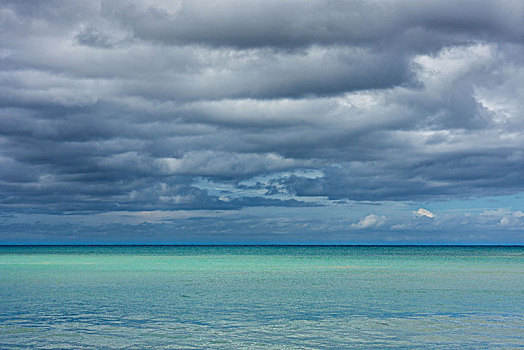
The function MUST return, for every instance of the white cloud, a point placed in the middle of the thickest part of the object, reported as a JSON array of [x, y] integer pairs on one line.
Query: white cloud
[[425, 213], [506, 217], [371, 220]]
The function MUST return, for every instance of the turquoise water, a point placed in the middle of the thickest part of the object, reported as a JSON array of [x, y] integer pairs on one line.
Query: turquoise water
[[261, 297]]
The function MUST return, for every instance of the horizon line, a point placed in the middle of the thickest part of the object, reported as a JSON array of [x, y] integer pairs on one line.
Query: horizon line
[[258, 245]]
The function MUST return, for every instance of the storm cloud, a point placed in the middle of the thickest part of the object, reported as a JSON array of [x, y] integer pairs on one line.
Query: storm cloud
[[110, 106]]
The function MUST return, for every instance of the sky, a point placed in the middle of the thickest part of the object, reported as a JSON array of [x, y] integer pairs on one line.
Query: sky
[[262, 122]]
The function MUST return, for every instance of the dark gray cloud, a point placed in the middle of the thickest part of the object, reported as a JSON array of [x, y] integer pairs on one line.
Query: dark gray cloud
[[90, 36], [291, 24], [110, 106], [454, 176]]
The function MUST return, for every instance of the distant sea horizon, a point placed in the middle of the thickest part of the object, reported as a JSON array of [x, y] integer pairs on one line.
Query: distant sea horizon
[[261, 245]]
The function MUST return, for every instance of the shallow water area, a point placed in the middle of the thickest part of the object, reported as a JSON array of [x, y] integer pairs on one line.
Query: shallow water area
[[272, 297]]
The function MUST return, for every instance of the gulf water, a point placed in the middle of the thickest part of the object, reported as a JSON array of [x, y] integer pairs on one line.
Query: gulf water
[[261, 297]]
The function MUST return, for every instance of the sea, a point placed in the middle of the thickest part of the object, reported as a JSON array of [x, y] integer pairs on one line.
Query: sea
[[261, 297]]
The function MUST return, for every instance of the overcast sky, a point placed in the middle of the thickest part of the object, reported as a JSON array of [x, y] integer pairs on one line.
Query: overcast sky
[[262, 121]]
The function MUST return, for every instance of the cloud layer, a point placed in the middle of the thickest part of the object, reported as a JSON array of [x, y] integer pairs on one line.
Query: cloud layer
[[198, 105]]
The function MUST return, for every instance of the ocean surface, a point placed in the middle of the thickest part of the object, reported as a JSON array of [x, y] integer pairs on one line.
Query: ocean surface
[[261, 297]]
